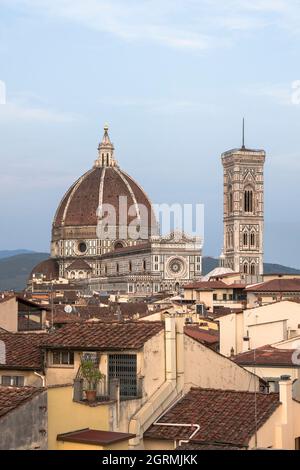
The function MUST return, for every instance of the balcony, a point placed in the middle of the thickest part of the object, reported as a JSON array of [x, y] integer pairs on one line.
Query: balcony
[[108, 390]]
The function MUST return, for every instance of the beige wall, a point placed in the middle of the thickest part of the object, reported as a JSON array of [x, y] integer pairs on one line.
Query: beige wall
[[267, 324], [29, 377], [61, 445], [65, 415], [205, 368], [9, 315]]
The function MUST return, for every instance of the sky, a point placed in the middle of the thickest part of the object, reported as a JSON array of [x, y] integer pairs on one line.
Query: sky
[[173, 79]]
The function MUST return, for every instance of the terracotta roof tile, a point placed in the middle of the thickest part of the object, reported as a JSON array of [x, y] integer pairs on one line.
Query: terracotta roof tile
[[276, 285], [12, 397], [266, 355], [104, 335], [224, 416], [208, 337], [207, 285], [22, 350]]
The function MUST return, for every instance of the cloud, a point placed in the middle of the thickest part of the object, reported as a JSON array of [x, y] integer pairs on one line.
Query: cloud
[[281, 94], [27, 107]]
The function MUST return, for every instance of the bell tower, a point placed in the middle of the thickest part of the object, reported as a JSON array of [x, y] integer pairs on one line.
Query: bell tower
[[243, 171]]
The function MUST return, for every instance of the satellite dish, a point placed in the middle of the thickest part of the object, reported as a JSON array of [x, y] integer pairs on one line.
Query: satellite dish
[[68, 309]]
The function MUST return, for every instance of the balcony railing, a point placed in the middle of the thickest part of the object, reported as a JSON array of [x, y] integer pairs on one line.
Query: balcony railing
[[108, 390]]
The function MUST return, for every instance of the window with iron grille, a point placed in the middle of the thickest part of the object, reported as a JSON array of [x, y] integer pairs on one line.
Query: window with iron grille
[[124, 368]]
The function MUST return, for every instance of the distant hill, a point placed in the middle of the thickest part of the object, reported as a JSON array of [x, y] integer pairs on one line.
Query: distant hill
[[8, 253], [14, 270], [208, 264]]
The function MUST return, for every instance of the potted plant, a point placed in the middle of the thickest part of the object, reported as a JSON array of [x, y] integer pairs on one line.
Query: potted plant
[[92, 375]]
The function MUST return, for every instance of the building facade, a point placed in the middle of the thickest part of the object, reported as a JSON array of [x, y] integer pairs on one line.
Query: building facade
[[243, 210]]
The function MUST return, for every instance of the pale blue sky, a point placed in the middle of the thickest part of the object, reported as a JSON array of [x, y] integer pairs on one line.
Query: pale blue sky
[[173, 79]]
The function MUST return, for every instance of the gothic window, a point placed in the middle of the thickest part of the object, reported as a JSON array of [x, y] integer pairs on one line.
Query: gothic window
[[248, 200], [107, 159], [117, 267], [252, 239], [245, 239], [144, 265], [252, 268], [230, 200], [130, 266], [245, 268]]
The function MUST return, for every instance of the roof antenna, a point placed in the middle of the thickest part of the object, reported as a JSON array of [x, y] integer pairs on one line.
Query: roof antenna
[[243, 146]]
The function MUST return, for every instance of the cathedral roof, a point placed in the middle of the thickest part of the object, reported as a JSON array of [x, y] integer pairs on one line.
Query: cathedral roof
[[49, 269], [79, 264], [103, 184]]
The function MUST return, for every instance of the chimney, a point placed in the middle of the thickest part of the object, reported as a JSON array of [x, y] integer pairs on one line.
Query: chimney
[[287, 416]]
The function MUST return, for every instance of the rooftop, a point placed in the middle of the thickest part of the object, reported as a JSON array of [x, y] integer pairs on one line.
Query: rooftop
[[12, 397], [267, 356], [224, 416], [94, 437], [103, 335], [22, 350], [276, 285], [207, 337]]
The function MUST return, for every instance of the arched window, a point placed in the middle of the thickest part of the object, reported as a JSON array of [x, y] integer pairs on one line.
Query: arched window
[[245, 239], [248, 200], [130, 266], [117, 268], [144, 265], [118, 245], [107, 159], [245, 268], [230, 199], [252, 239], [252, 268]]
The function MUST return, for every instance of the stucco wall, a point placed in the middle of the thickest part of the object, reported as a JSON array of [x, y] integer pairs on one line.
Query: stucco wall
[[65, 415], [204, 367], [29, 377], [25, 427], [9, 315]]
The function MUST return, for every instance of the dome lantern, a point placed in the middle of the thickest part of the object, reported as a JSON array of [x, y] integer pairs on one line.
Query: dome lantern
[[105, 151]]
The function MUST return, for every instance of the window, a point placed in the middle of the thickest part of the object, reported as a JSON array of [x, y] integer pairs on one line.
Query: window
[[117, 267], [124, 368], [144, 265], [245, 239], [215, 297], [130, 266], [245, 268], [252, 239], [248, 200], [252, 269], [230, 199], [12, 380], [62, 358], [224, 296]]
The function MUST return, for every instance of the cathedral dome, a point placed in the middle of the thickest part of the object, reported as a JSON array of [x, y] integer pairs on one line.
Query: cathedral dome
[[99, 186], [86, 201]]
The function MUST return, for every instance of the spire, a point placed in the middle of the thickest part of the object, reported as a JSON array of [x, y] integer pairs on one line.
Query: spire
[[105, 151], [243, 135]]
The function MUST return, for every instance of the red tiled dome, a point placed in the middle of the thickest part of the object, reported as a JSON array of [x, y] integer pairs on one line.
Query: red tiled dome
[[100, 185]]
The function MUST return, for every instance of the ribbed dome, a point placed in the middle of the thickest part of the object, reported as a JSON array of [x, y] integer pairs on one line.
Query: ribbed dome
[[102, 185]]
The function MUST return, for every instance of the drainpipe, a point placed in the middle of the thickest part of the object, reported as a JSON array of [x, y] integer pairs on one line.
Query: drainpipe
[[42, 377]]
